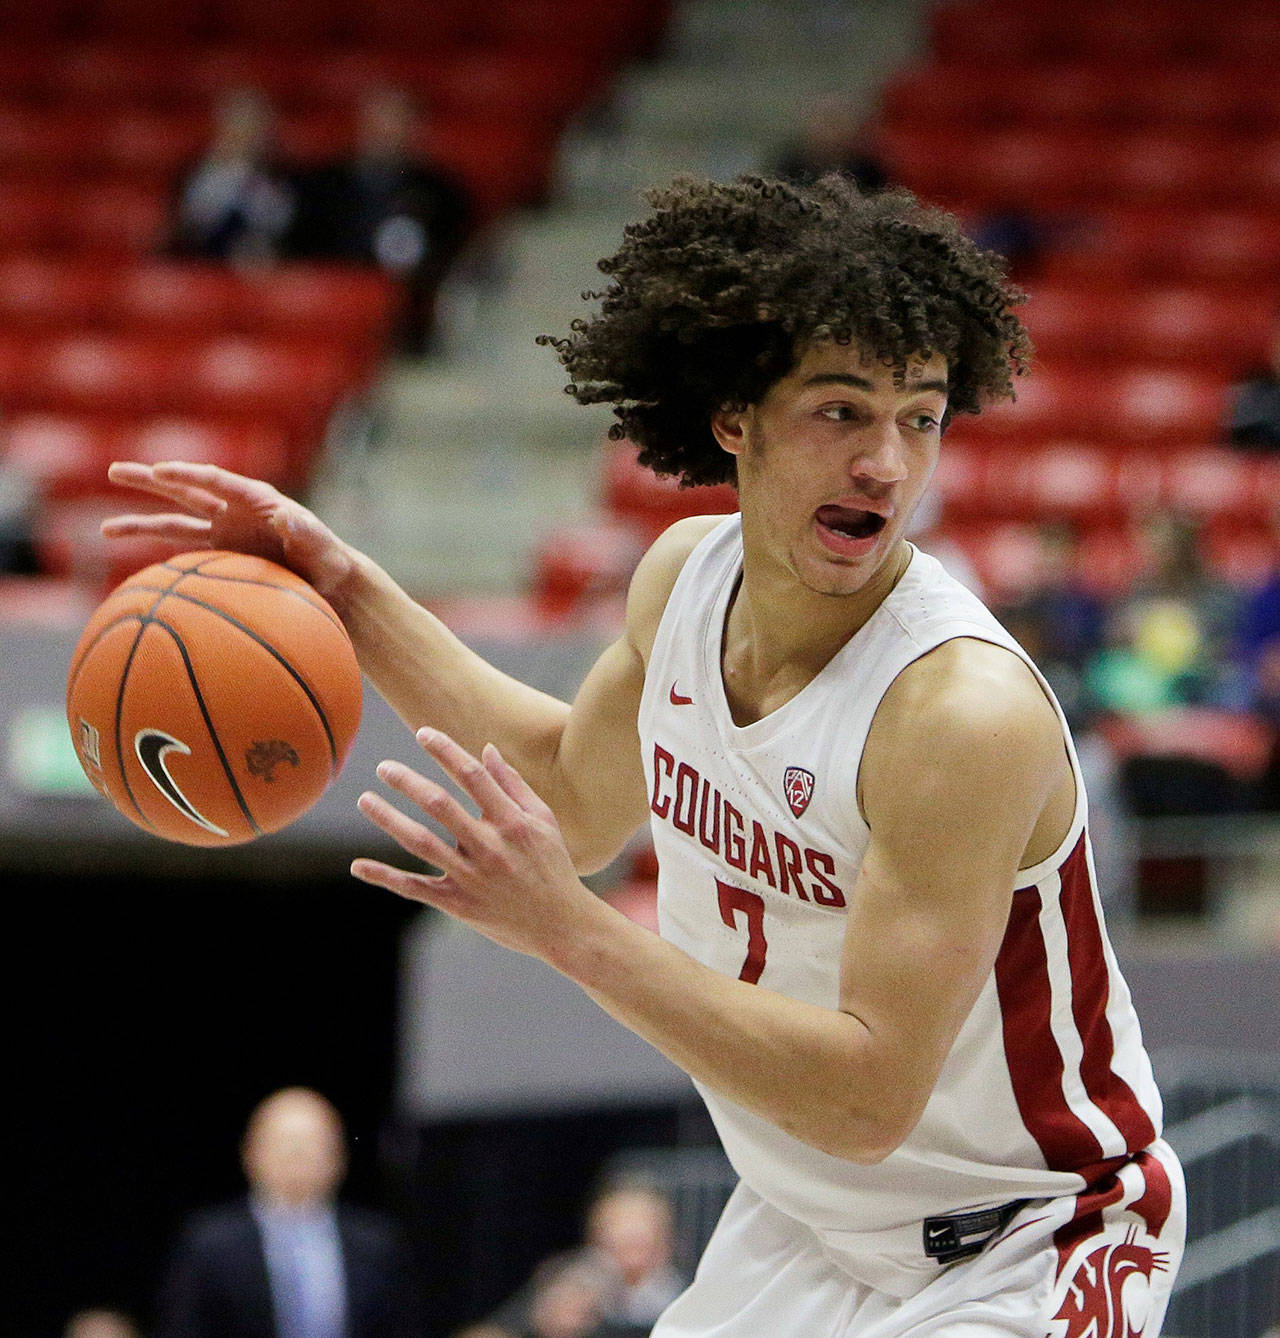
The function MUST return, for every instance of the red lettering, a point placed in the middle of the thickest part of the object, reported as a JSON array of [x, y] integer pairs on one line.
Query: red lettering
[[686, 798], [821, 865], [735, 844], [760, 861], [790, 865], [751, 904], [710, 799], [662, 761]]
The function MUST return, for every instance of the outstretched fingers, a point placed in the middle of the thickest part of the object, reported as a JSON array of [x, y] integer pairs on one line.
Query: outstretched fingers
[[189, 531], [471, 775], [513, 783], [435, 801], [149, 478]]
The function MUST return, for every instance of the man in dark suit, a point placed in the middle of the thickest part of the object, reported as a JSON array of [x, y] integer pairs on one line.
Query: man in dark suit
[[289, 1261], [386, 205]]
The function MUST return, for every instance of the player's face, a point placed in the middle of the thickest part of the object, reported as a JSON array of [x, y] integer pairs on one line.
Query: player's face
[[833, 460]]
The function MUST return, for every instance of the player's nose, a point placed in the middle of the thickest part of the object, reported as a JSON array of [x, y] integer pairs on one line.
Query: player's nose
[[881, 455]]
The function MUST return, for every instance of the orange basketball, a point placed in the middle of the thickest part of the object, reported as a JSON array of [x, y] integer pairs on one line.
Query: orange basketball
[[212, 698]]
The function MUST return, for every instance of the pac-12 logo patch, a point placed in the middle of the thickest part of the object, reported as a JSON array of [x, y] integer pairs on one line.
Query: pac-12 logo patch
[[798, 785]]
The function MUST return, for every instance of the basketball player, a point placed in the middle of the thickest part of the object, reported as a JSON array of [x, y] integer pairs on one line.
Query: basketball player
[[882, 957]]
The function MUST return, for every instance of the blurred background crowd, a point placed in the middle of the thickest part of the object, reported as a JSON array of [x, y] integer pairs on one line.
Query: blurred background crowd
[[314, 241]]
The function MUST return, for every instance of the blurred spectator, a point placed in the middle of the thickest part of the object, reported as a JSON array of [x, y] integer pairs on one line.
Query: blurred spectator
[[289, 1260], [18, 502], [567, 1301], [1253, 416], [1169, 641], [236, 203], [100, 1324], [1057, 619], [387, 206], [1015, 233], [834, 137], [626, 1258], [1260, 653]]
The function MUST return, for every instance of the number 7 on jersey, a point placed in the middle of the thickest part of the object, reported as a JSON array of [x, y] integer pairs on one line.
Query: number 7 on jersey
[[751, 905]]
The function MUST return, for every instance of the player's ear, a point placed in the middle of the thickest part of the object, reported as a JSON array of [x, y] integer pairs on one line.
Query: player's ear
[[729, 427]]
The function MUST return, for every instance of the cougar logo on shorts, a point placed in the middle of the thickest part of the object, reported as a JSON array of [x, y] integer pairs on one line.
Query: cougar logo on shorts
[[1108, 1296], [152, 746], [798, 784]]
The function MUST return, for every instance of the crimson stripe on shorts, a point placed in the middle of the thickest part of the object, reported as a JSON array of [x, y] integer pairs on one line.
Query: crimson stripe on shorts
[[1157, 1199], [1105, 1190], [1031, 1051], [1090, 991]]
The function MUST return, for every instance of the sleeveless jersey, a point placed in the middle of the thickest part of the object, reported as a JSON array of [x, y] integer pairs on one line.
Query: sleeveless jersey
[[760, 841]]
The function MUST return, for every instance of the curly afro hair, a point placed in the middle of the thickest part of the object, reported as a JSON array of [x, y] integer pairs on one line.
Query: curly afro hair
[[714, 296]]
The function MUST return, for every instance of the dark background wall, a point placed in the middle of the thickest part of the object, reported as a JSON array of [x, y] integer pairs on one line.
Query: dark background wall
[[147, 1013]]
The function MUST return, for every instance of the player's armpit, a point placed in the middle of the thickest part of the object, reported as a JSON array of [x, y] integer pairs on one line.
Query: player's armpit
[[964, 769]]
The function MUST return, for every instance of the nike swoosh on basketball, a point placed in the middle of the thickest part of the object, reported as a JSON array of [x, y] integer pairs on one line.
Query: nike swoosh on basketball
[[678, 700], [152, 746]]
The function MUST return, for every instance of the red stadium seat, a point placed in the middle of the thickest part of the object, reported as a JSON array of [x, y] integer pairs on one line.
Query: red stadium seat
[[1133, 404], [502, 163], [19, 19], [45, 601], [1217, 326], [305, 23], [248, 447], [149, 20], [159, 145], [1241, 555], [1240, 743], [70, 544], [43, 293], [101, 374], [316, 302], [414, 24], [61, 456], [115, 217], [637, 494], [164, 296], [1155, 245], [576, 566]]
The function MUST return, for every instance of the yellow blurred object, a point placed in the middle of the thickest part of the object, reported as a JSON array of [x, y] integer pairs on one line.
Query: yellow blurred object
[[1167, 636]]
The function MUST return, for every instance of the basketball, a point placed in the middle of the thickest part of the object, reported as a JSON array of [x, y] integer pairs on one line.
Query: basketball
[[213, 697]]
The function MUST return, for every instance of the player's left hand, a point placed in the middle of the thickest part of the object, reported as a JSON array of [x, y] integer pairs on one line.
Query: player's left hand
[[509, 875]]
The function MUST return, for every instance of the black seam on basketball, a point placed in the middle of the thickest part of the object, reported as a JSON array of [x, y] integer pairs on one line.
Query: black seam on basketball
[[77, 665], [124, 678], [283, 589], [208, 720], [271, 650]]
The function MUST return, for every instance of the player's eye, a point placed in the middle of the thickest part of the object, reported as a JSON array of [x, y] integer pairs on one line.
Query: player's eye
[[837, 413]]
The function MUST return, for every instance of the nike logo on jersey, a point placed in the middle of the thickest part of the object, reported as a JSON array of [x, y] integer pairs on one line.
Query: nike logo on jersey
[[678, 699], [152, 747]]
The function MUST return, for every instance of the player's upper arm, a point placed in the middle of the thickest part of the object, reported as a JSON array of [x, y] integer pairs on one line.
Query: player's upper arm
[[962, 757], [599, 770]]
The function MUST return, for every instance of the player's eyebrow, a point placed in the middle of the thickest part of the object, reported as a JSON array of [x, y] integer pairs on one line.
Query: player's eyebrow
[[861, 382]]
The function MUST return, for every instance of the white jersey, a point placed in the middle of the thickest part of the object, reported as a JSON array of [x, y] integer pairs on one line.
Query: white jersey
[[760, 841]]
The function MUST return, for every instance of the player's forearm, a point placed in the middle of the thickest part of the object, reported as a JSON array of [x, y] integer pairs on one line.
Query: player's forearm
[[812, 1071], [430, 677]]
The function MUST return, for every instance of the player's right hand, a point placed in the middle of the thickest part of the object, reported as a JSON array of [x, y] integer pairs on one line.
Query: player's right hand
[[219, 509]]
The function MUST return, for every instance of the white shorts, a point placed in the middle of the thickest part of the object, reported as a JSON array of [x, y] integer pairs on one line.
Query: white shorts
[[1099, 1264]]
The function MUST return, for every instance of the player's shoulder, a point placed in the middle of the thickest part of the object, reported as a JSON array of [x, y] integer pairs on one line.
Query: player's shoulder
[[656, 575], [967, 693]]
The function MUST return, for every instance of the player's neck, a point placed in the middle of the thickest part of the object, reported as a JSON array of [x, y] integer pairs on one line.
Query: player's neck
[[778, 635]]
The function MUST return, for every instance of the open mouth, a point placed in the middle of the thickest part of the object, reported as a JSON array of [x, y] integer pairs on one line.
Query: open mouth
[[853, 524]]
